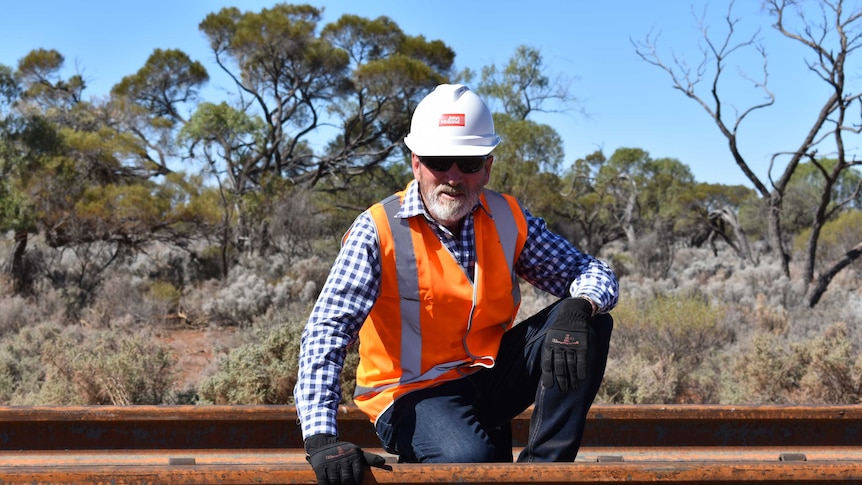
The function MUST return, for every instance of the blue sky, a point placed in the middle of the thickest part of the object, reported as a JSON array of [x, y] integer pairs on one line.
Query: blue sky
[[629, 102]]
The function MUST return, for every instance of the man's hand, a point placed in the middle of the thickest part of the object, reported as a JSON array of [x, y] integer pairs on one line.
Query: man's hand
[[564, 357], [339, 462]]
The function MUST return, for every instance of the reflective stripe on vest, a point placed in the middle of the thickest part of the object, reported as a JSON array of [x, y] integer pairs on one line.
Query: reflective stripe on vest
[[507, 230], [408, 288]]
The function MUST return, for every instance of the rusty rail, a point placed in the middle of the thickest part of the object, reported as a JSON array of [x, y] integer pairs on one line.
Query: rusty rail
[[262, 444]]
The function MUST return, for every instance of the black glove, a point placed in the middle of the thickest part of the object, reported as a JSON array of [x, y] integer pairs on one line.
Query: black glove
[[564, 357], [339, 462]]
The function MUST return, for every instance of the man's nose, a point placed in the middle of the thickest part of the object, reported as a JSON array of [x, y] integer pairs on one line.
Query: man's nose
[[454, 174]]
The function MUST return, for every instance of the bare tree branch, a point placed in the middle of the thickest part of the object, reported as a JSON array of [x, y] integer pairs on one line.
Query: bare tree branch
[[832, 36]]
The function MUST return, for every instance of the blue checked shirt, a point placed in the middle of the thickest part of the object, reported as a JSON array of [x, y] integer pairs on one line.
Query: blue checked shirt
[[547, 261]]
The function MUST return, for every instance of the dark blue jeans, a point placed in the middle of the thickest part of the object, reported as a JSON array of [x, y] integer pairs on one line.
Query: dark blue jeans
[[469, 419]]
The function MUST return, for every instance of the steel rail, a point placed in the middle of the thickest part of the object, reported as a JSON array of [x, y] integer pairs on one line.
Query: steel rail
[[689, 444]]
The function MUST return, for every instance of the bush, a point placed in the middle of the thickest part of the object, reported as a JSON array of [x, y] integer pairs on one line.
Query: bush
[[636, 380], [17, 312], [107, 367], [257, 373], [660, 349], [834, 371], [164, 296], [768, 372], [245, 296], [22, 372], [120, 297], [47, 364], [684, 328]]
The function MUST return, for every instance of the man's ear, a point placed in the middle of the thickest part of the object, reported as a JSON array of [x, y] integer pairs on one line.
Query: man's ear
[[414, 164], [488, 169]]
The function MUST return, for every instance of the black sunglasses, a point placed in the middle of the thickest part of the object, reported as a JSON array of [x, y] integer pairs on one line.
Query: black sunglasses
[[465, 164]]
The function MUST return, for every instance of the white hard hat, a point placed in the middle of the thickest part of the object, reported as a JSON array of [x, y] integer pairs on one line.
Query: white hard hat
[[452, 121]]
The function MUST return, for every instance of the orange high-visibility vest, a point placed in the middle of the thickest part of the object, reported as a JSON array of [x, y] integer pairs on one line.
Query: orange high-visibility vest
[[430, 323]]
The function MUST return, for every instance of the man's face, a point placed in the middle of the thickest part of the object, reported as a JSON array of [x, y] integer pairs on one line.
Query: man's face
[[450, 194]]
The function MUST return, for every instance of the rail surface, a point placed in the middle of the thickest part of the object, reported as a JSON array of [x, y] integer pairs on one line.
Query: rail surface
[[262, 444]]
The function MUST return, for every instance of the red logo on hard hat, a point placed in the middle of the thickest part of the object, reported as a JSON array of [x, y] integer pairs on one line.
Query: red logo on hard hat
[[452, 119]]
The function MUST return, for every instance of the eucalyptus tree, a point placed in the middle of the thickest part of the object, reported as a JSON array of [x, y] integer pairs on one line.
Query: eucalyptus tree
[[16, 211], [518, 91], [348, 87], [312, 103], [805, 190], [75, 174], [152, 104], [830, 34], [647, 199], [37, 179], [587, 206], [526, 163]]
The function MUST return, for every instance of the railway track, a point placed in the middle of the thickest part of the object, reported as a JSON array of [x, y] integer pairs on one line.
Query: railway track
[[262, 444]]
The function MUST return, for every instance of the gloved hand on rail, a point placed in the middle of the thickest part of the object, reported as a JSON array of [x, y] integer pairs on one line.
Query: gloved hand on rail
[[564, 357], [339, 462]]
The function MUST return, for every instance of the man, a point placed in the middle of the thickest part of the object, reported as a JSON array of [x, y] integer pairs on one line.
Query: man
[[427, 282]]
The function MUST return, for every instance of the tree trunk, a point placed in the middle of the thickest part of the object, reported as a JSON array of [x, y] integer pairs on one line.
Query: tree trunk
[[819, 286], [22, 281], [629, 214], [742, 248], [775, 232]]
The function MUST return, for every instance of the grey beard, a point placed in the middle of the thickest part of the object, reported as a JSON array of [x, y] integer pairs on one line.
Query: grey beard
[[450, 212]]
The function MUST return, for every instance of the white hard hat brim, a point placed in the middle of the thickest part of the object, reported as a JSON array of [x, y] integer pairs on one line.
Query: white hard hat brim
[[465, 147]]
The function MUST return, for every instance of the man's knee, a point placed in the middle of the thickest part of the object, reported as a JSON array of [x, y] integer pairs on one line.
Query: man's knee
[[461, 444], [477, 452]]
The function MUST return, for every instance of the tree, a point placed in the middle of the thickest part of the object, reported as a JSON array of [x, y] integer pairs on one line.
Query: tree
[[39, 72], [225, 139], [528, 161], [524, 87], [831, 41], [74, 174], [348, 87], [358, 77], [149, 104], [804, 191], [587, 207], [530, 151], [19, 142], [713, 215], [649, 204], [646, 198]]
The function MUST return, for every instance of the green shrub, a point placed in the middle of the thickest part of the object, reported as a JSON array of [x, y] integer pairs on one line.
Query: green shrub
[[165, 295], [769, 371], [265, 372], [635, 380], [826, 369], [834, 371], [684, 327], [257, 373], [661, 348], [46, 364], [22, 373], [106, 367]]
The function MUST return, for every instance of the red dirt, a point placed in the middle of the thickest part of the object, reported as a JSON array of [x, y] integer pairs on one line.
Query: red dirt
[[197, 351]]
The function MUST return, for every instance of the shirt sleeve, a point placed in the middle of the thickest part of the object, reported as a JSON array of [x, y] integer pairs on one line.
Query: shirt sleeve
[[344, 303], [553, 264]]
